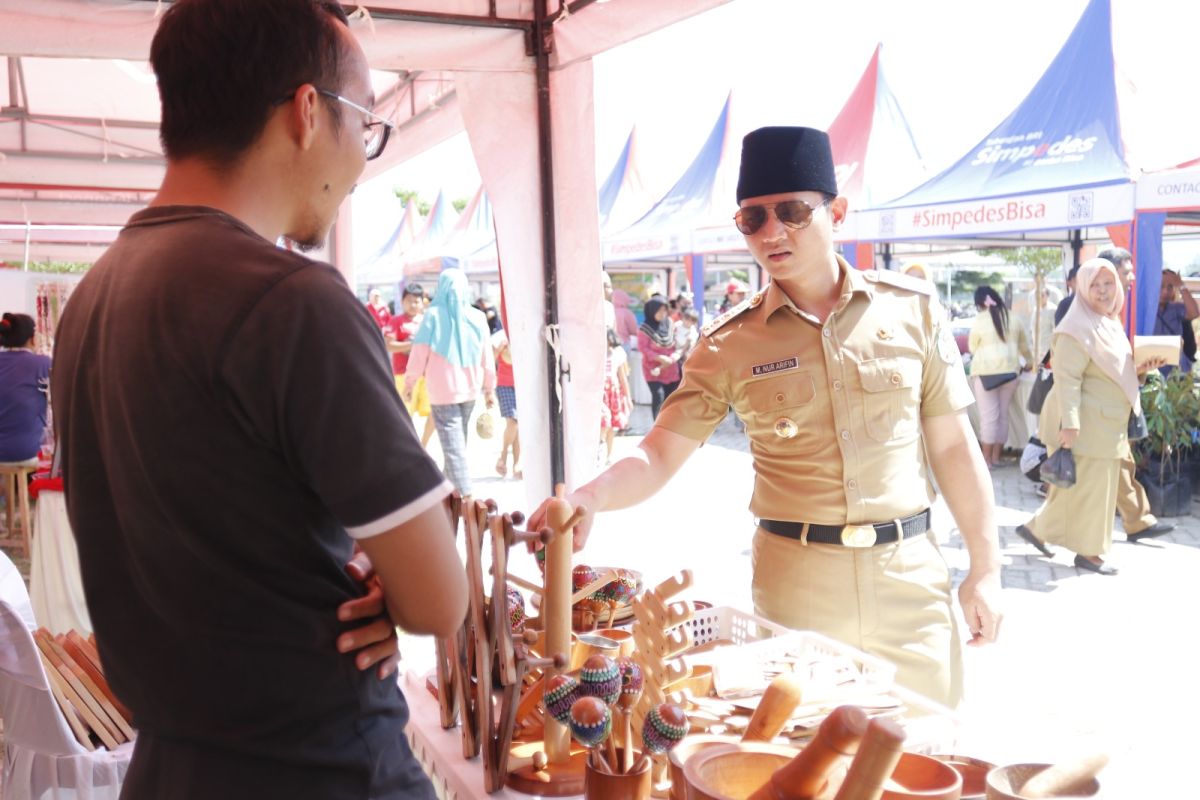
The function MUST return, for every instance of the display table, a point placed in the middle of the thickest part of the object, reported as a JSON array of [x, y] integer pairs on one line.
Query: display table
[[440, 750], [929, 727]]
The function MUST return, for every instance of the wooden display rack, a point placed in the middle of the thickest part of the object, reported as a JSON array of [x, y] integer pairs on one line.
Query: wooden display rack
[[484, 653]]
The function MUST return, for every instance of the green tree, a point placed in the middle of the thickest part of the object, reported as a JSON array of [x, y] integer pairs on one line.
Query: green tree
[[965, 281], [406, 195], [411, 194], [1040, 263]]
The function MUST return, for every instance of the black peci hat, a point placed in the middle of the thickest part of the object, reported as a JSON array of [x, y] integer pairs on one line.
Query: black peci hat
[[781, 159]]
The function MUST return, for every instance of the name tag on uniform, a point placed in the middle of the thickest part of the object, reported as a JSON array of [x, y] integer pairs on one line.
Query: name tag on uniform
[[783, 365]]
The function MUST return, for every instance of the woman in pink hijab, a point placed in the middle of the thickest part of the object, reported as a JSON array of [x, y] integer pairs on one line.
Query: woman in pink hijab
[[626, 324], [1096, 389]]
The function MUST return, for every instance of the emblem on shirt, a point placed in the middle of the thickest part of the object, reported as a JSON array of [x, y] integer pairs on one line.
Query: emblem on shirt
[[783, 365], [884, 333], [947, 347], [785, 428]]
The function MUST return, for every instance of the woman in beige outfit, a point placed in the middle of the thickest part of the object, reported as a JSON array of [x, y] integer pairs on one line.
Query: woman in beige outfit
[[1095, 390]]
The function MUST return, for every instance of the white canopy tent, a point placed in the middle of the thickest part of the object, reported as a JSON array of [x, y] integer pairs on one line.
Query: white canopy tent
[[515, 73]]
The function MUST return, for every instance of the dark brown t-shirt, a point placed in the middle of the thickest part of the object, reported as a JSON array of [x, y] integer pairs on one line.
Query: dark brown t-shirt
[[226, 410]]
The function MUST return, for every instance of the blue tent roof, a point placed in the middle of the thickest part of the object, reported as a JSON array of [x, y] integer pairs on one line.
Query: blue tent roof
[[690, 199], [616, 179], [1064, 135]]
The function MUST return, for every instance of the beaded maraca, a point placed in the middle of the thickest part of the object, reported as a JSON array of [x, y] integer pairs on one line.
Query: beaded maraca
[[561, 692], [591, 723], [665, 726], [600, 677], [516, 609], [631, 691]]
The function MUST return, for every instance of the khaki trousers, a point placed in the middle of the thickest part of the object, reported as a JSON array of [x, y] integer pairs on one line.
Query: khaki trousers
[[892, 601], [1132, 502], [1080, 518]]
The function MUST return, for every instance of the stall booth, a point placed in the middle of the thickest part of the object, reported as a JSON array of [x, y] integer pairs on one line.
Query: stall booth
[[1053, 173], [517, 76], [1168, 206]]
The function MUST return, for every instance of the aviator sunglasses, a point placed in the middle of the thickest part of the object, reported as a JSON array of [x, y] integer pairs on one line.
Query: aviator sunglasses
[[795, 214]]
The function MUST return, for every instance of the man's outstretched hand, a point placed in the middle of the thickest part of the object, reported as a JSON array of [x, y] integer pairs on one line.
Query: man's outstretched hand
[[375, 641]]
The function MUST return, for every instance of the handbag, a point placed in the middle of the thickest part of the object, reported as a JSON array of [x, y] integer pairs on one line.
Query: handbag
[[484, 425], [996, 381], [1059, 468], [1042, 383], [1137, 426]]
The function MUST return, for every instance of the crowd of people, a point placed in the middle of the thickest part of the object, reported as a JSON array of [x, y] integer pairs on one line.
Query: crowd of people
[[1093, 410]]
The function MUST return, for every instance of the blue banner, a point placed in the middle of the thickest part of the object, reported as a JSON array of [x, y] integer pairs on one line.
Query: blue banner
[[1148, 261], [1065, 134]]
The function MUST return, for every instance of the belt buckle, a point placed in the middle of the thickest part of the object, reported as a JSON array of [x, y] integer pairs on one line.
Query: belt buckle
[[858, 536]]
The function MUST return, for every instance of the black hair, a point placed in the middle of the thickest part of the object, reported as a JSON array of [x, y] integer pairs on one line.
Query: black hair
[[223, 65], [611, 338], [998, 310], [1116, 255], [1073, 273], [16, 330], [413, 289]]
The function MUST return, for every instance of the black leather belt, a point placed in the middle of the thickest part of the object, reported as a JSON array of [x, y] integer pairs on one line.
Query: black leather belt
[[850, 535]]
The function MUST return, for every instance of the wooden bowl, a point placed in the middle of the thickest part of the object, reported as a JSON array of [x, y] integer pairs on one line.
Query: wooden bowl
[[688, 747], [924, 778], [974, 774], [733, 772], [1004, 783]]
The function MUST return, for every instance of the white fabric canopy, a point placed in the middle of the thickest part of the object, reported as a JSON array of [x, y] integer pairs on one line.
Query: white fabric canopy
[[448, 64]]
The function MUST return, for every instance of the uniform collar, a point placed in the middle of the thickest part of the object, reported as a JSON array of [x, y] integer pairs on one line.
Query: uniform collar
[[853, 283]]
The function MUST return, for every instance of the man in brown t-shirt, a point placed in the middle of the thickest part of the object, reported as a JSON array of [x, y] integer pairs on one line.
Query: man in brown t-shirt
[[230, 428]]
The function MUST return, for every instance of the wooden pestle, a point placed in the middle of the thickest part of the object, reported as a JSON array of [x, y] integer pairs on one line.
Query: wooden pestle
[[805, 775], [1059, 778], [775, 708], [874, 763]]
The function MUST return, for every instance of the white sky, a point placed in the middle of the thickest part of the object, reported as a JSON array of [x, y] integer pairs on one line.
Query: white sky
[[957, 67]]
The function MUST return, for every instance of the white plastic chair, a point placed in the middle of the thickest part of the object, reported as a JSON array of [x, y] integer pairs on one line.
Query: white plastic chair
[[42, 759]]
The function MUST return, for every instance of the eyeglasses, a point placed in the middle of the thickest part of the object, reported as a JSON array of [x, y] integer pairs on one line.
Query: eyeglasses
[[375, 132], [794, 214]]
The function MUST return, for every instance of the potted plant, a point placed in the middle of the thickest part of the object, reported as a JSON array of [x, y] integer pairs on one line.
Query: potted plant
[[1172, 410]]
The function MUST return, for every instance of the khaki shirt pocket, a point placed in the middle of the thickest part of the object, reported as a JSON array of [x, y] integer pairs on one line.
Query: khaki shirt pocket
[[890, 397], [772, 399]]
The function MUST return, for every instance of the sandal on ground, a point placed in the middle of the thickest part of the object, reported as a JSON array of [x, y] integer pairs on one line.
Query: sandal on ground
[[1091, 566], [1028, 536]]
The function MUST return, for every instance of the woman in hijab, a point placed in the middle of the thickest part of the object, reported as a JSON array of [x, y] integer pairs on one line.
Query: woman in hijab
[[453, 352], [660, 359], [1096, 389]]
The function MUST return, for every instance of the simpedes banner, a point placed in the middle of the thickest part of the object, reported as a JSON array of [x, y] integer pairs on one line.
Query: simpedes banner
[[1074, 208], [1051, 163]]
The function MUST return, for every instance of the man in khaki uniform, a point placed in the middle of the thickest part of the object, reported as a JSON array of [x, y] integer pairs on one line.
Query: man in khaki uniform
[[845, 380]]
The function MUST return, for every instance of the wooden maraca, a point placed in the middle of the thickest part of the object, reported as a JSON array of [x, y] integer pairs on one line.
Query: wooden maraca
[[665, 726], [591, 723], [632, 681], [516, 609], [561, 692], [601, 678]]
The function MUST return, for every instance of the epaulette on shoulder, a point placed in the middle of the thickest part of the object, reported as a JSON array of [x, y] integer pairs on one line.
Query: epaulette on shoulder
[[899, 280], [750, 302]]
